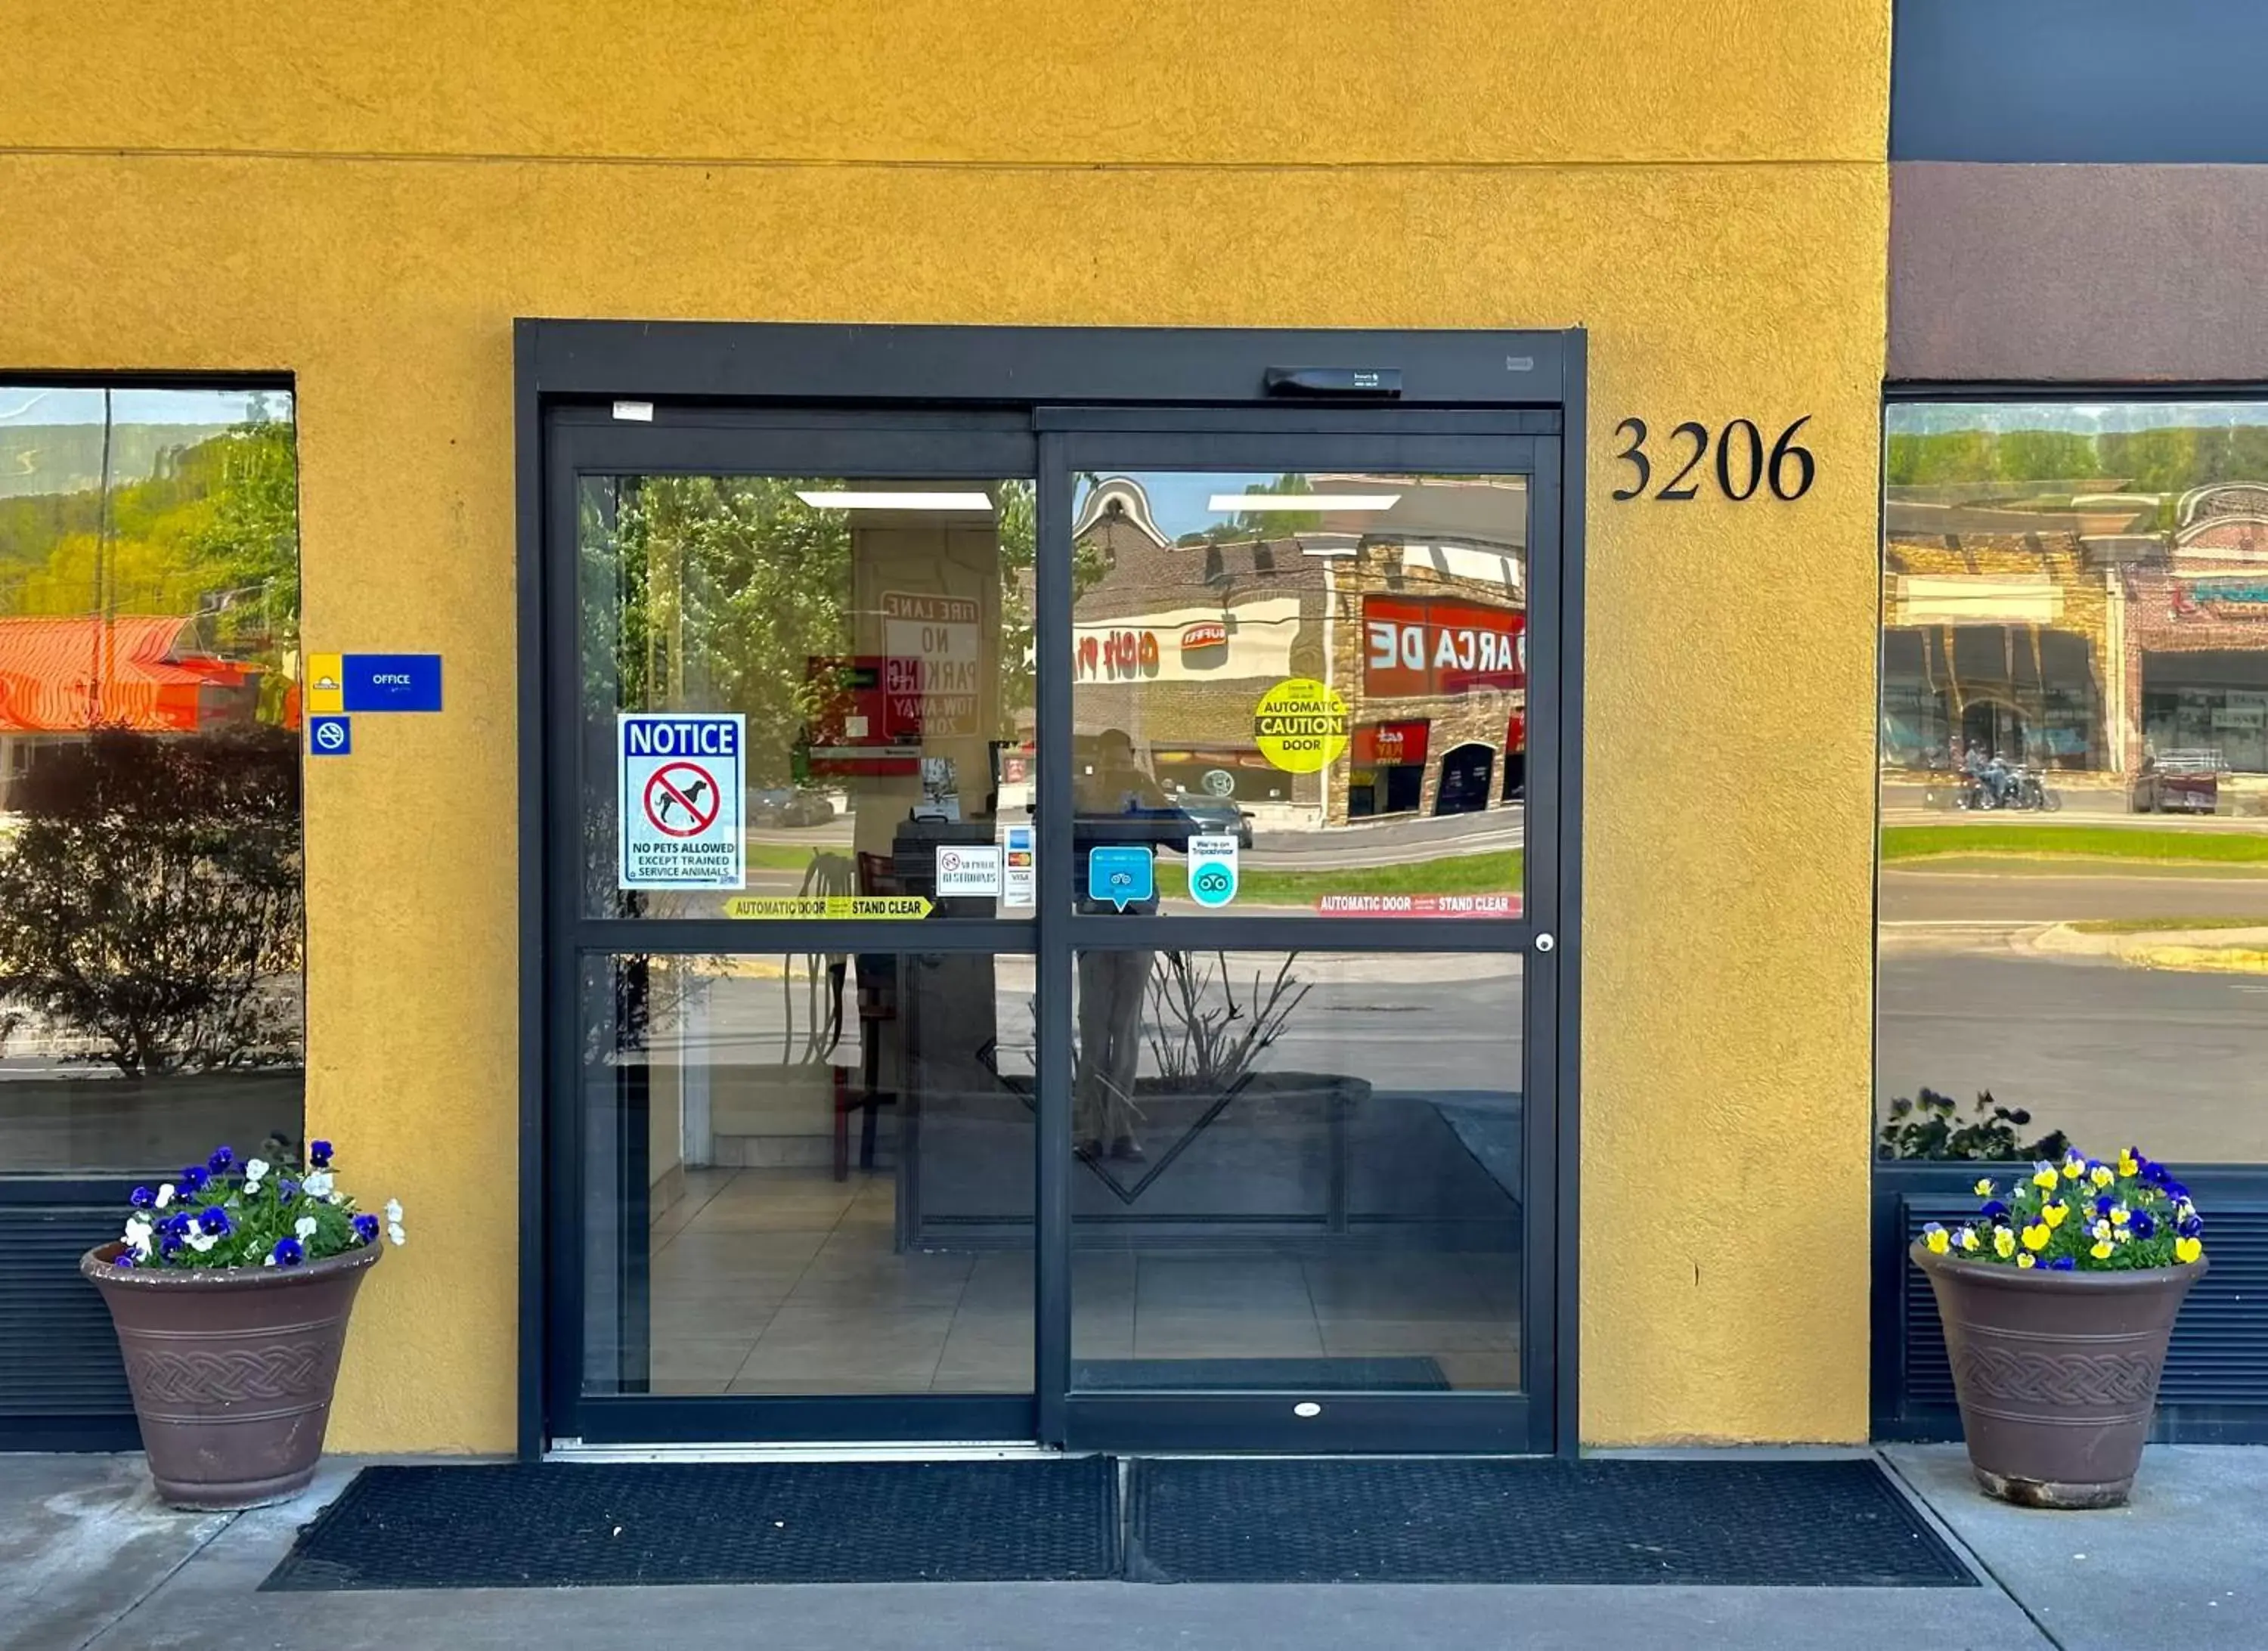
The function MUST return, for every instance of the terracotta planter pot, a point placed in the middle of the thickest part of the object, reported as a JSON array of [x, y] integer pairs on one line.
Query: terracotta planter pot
[[232, 1369], [2056, 1373]]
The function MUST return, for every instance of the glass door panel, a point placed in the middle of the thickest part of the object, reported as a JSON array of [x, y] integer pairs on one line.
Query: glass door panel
[[1297, 1171], [1324, 675]]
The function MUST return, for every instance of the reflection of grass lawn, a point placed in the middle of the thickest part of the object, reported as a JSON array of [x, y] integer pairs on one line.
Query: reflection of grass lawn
[[1495, 872], [2151, 925], [2081, 842], [790, 856]]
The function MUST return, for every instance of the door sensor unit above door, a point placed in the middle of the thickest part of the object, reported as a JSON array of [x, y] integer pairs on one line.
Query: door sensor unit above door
[[1381, 384]]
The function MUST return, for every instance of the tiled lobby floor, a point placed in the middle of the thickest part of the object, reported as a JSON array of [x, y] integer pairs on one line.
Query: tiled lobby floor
[[784, 1281]]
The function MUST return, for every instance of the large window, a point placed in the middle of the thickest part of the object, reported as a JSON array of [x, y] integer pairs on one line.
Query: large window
[[2075, 779], [151, 910]]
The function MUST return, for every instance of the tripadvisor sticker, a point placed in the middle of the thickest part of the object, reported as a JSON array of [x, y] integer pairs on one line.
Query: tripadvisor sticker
[[1300, 725]]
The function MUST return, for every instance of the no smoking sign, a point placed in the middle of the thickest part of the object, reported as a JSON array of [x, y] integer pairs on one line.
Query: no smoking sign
[[681, 792]]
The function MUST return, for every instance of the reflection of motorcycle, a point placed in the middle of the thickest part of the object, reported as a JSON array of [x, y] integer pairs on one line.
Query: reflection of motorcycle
[[2028, 790], [1974, 793]]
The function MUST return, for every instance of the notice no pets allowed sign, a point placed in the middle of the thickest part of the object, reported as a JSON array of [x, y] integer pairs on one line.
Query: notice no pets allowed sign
[[679, 803]]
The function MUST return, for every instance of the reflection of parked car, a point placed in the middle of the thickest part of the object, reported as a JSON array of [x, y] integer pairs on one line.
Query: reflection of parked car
[[781, 807], [2179, 782], [1217, 815]]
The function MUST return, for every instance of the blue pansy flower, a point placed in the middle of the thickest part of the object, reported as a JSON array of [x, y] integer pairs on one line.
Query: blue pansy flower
[[214, 1221], [124, 1258], [195, 1178], [2144, 1225], [2191, 1226], [169, 1245], [179, 1222], [319, 1153], [142, 1197], [2176, 1191], [2105, 1204], [288, 1252], [366, 1229], [221, 1159], [1993, 1209], [2061, 1264], [2155, 1174], [286, 1190]]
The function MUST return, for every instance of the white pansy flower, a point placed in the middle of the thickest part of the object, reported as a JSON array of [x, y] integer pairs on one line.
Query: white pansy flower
[[164, 1195], [304, 1226], [393, 1211], [138, 1236], [318, 1184], [254, 1172], [201, 1241], [394, 1232], [268, 1260]]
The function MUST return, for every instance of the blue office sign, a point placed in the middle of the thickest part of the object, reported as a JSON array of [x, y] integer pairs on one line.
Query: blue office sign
[[391, 682]]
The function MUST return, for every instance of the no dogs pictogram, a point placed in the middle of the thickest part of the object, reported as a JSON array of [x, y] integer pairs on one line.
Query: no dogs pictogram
[[682, 798]]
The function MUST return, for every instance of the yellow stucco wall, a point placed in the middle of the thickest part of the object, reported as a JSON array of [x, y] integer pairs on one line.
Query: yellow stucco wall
[[367, 196]]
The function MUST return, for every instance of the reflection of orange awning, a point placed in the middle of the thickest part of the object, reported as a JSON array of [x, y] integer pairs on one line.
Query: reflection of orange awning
[[67, 675]]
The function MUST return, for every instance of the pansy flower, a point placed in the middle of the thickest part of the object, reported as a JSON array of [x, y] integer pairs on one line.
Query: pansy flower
[[2062, 1264], [2187, 1249], [221, 1159], [214, 1220], [195, 1178], [2144, 1225], [318, 1155], [142, 1197], [289, 1252], [1993, 1209]]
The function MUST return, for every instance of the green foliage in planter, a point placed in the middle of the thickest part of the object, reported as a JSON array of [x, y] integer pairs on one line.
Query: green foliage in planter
[[1930, 1127]]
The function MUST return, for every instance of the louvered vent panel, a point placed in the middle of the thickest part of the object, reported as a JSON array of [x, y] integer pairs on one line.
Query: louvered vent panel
[[58, 1354]]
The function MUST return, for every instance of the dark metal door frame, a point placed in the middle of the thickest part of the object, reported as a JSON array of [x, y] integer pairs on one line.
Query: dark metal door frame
[[958, 401]]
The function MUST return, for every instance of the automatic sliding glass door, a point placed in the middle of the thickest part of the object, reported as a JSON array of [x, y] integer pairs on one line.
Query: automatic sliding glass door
[[1291, 830], [1123, 1019], [799, 1141]]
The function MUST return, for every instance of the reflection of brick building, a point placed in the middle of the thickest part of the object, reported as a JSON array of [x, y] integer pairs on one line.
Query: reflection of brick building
[[2080, 637], [1415, 613], [1997, 631], [2196, 635]]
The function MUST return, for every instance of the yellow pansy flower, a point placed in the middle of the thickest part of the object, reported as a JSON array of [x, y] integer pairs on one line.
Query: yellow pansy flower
[[2053, 1214], [2037, 1236], [1937, 1241], [2120, 1215], [2100, 1229], [2026, 1261], [2045, 1178], [1968, 1238], [2074, 1169], [1984, 1189], [2102, 1249], [2129, 1165], [2102, 1175], [2004, 1243], [2188, 1249]]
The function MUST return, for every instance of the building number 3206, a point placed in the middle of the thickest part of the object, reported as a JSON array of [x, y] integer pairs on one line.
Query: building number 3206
[[1742, 464]]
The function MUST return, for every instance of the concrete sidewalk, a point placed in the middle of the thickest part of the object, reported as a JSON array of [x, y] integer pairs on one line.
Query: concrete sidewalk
[[87, 1559]]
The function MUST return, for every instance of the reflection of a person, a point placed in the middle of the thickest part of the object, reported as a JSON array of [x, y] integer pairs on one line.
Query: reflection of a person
[[1111, 784]]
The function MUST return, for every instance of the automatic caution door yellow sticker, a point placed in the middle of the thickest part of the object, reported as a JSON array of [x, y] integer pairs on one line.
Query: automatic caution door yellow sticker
[[760, 907], [1300, 725]]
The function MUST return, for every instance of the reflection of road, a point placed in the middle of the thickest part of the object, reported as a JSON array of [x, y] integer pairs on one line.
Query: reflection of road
[[1997, 896], [2114, 1055], [1390, 842], [1389, 1020]]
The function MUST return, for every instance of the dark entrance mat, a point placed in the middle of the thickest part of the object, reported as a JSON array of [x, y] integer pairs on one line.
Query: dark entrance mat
[[1837, 1524], [571, 1525], [1387, 1373]]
